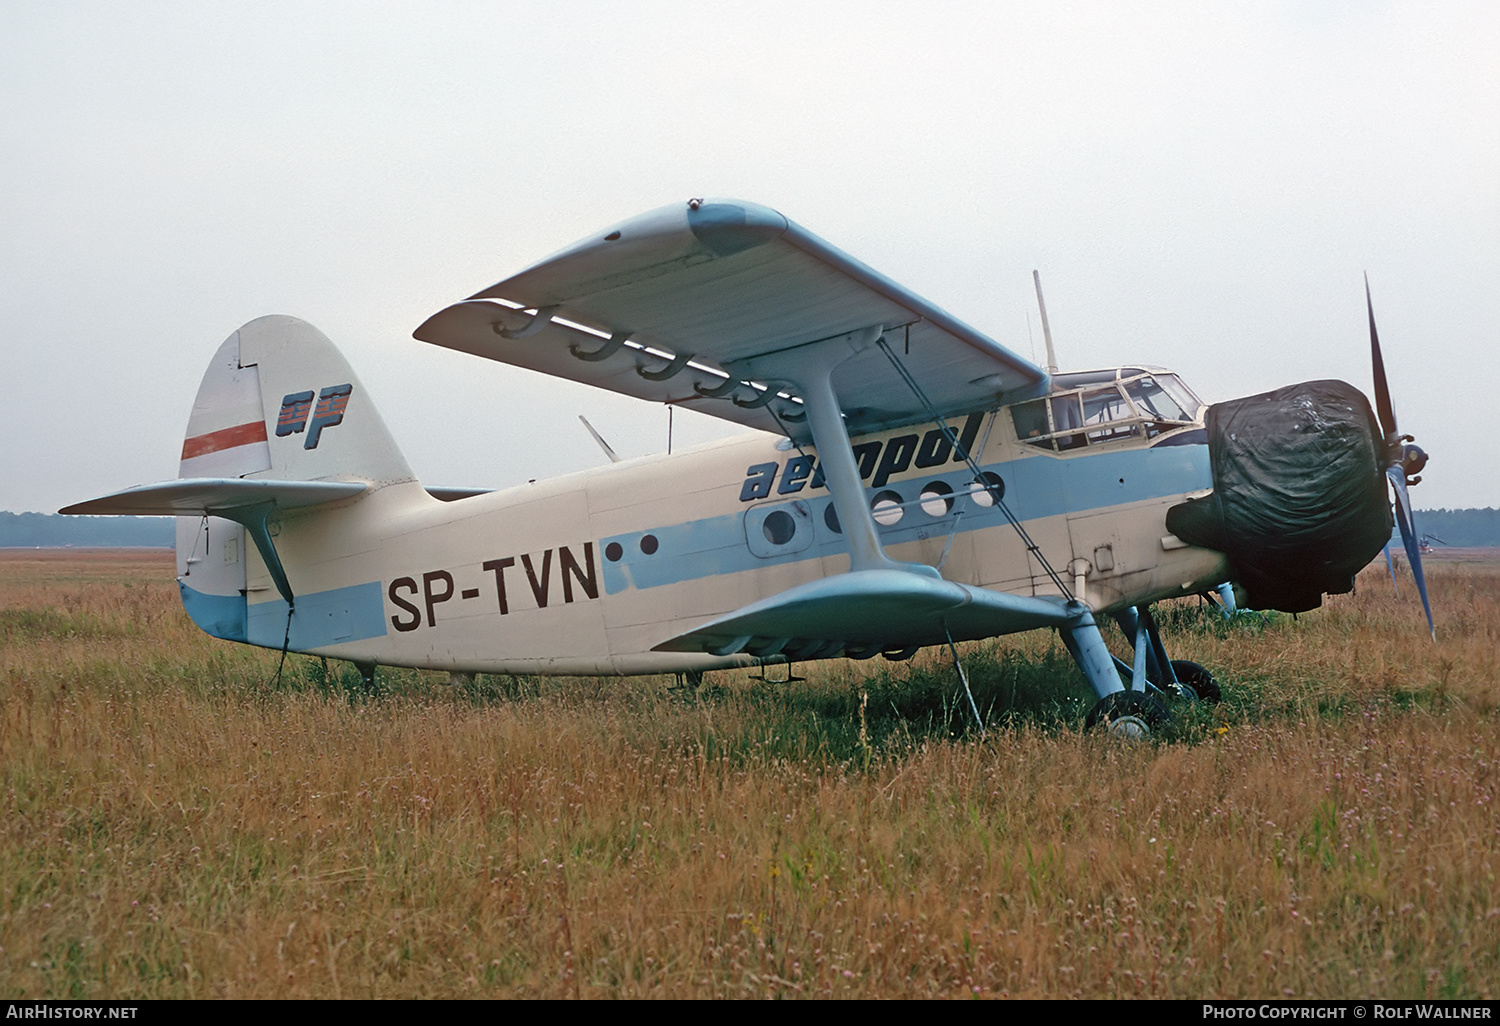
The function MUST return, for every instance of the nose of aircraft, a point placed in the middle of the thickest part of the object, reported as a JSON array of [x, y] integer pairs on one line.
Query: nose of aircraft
[[1299, 502]]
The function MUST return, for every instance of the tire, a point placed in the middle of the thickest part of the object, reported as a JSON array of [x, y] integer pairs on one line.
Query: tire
[[1199, 680], [1129, 715]]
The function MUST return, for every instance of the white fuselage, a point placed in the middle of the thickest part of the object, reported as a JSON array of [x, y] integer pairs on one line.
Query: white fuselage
[[586, 573]]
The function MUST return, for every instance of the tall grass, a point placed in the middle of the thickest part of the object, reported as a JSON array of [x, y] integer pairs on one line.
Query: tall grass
[[178, 822]]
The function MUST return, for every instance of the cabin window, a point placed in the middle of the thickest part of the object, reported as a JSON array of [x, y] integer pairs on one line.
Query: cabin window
[[778, 527], [886, 508], [936, 499], [783, 527], [989, 487]]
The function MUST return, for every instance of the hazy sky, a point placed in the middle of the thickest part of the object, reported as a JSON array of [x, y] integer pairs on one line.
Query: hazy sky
[[1201, 186]]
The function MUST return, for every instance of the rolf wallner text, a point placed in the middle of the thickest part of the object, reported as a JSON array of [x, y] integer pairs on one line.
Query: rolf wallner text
[[1358, 1010]]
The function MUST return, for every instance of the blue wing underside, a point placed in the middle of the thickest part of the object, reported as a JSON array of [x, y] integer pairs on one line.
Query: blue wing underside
[[865, 612]]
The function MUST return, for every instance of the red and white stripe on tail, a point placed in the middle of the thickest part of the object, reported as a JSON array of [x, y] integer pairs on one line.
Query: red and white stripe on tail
[[226, 434]]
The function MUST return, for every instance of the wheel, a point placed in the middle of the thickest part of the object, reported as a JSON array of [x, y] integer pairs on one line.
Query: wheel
[[1197, 680], [1131, 715]]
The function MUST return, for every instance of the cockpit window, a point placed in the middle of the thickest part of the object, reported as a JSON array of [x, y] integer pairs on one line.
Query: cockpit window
[[1111, 412], [1154, 401], [1067, 415], [1186, 400], [1096, 407], [1031, 420]]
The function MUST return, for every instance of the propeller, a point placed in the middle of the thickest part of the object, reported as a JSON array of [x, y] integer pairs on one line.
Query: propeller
[[1404, 462]]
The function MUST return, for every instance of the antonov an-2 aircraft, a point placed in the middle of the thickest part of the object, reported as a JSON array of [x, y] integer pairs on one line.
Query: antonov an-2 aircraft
[[912, 483]]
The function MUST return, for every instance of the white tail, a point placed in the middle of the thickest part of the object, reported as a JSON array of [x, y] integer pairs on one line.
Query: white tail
[[280, 424], [280, 402]]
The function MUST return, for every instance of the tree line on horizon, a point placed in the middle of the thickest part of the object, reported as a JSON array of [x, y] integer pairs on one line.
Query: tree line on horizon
[[54, 531]]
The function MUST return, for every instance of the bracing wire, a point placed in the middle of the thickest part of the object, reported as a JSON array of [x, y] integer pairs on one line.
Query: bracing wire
[[958, 664], [979, 477], [286, 641]]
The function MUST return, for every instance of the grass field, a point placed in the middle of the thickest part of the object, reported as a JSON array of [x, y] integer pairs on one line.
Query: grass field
[[178, 824]]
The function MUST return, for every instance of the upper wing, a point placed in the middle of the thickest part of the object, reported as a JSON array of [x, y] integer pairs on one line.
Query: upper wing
[[682, 301]]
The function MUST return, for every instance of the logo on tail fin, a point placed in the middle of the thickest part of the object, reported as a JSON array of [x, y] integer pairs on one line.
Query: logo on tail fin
[[328, 412]]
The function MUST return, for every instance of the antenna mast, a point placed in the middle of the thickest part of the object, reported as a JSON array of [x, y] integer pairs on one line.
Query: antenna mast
[[1046, 329], [600, 439]]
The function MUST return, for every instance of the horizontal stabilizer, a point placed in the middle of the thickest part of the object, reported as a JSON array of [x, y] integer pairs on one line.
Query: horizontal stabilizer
[[214, 496], [869, 611]]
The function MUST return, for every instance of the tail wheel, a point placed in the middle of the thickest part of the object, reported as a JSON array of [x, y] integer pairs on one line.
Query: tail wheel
[[1197, 680], [1130, 715]]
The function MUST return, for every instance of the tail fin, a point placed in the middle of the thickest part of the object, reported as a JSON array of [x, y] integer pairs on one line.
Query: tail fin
[[280, 422], [280, 402]]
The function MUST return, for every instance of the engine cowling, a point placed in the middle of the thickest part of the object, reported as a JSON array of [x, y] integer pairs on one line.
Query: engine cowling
[[1299, 502]]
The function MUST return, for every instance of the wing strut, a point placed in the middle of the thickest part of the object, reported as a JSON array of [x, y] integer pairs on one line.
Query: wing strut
[[979, 478], [811, 370], [255, 520]]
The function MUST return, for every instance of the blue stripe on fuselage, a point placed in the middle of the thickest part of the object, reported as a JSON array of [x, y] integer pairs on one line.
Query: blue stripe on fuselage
[[322, 618], [1035, 487], [221, 616]]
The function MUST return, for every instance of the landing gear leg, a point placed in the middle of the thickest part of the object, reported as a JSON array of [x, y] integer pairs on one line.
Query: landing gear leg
[[1126, 713], [1086, 645], [1177, 678], [367, 676]]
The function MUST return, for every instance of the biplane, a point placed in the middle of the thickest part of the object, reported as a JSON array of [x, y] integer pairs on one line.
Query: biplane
[[910, 482]]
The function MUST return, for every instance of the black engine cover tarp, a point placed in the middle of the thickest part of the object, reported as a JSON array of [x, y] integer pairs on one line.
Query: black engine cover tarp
[[1299, 503]]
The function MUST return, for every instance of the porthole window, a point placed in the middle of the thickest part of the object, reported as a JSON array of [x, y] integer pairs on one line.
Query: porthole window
[[831, 518], [886, 507], [648, 544], [937, 499], [613, 552], [775, 531], [990, 486], [778, 527]]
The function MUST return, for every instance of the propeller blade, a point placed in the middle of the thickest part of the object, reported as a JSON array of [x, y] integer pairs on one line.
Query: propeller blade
[[1409, 539], [1392, 568], [1382, 390]]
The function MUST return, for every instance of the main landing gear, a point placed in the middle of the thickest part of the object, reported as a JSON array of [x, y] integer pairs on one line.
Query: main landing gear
[[1135, 711]]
